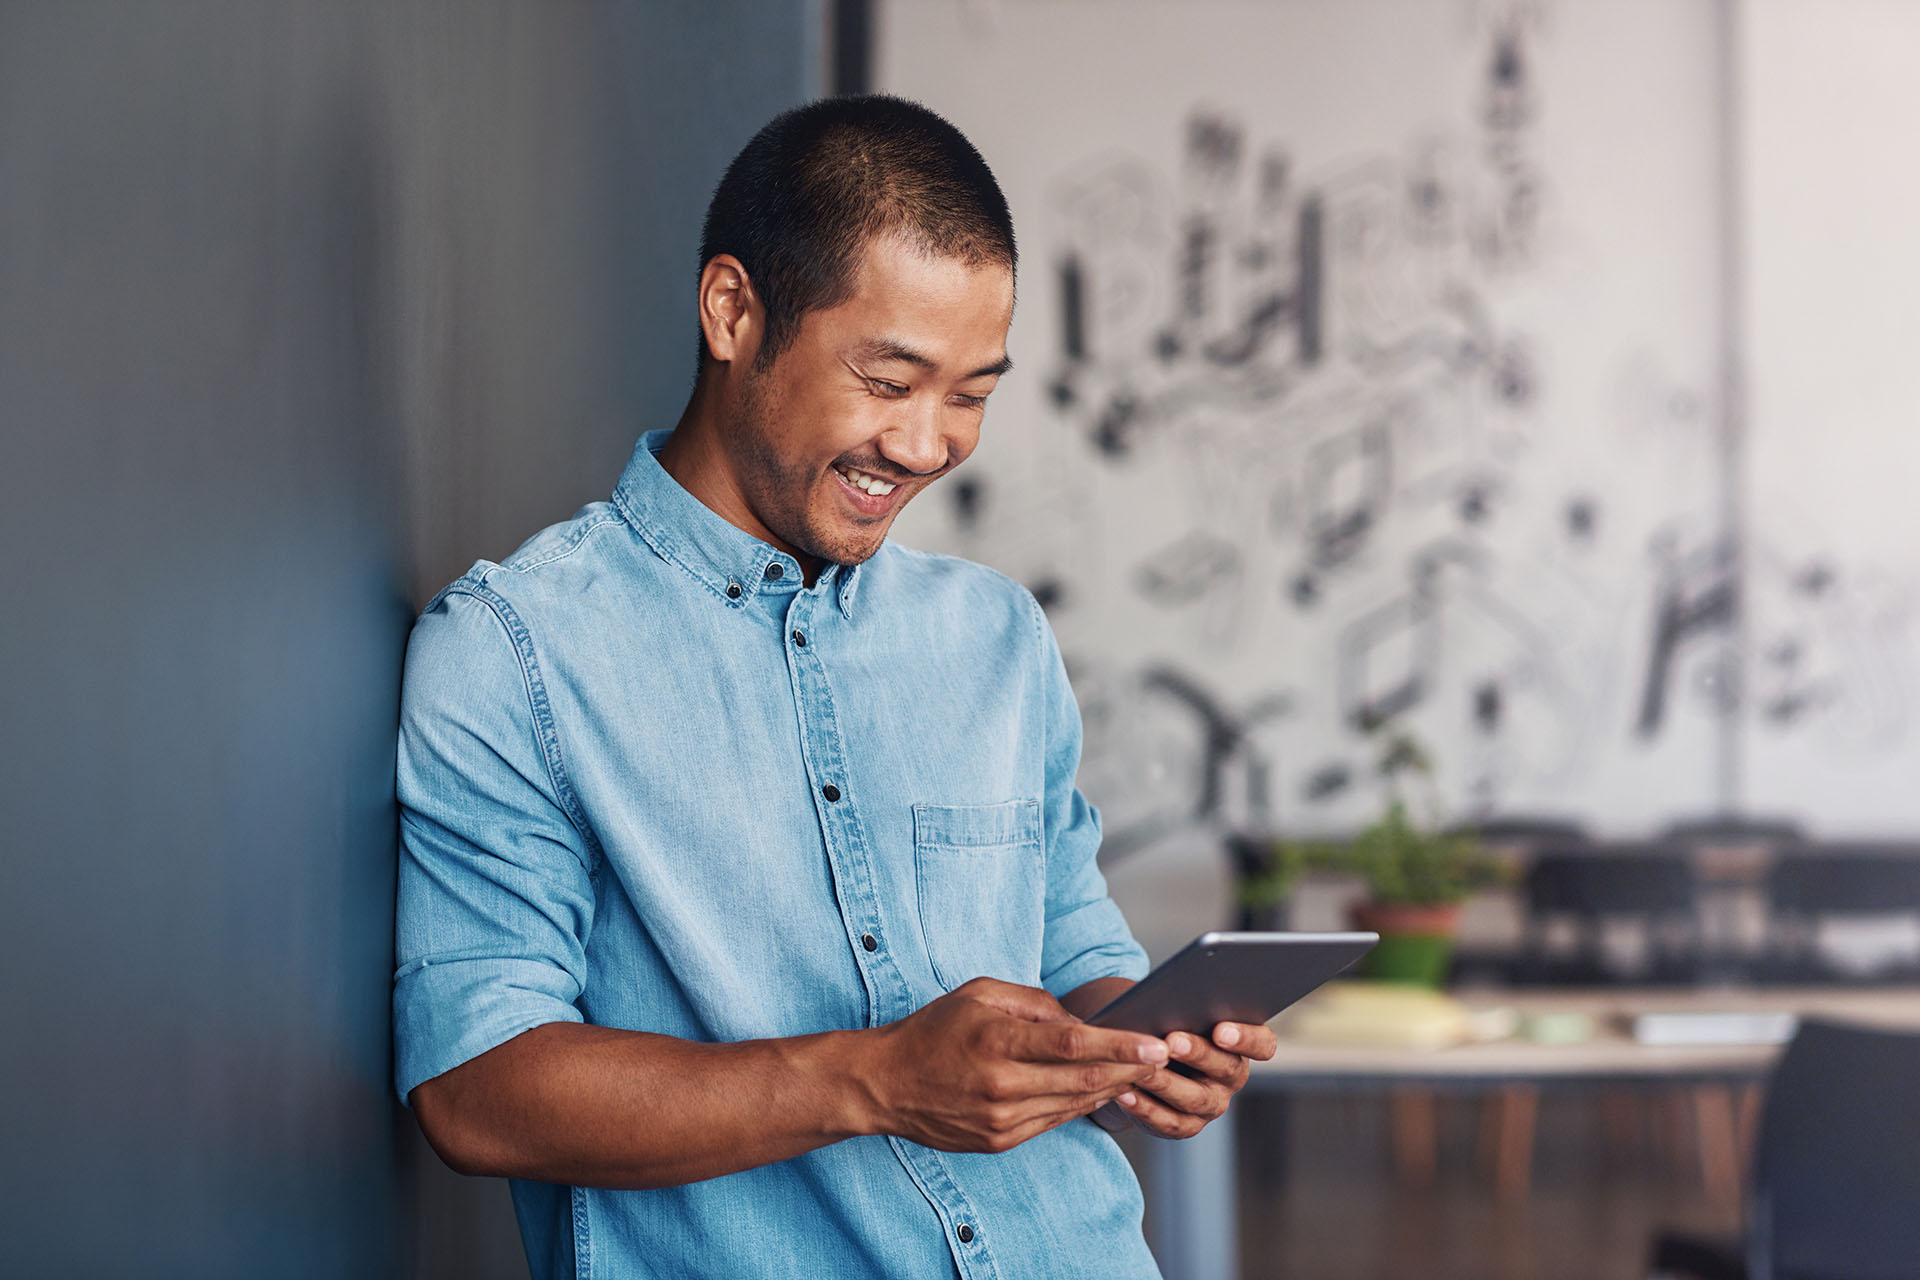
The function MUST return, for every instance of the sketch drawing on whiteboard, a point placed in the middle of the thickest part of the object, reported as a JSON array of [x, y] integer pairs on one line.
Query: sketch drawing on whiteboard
[[1833, 659], [1203, 764], [1313, 364], [1338, 435], [1696, 598]]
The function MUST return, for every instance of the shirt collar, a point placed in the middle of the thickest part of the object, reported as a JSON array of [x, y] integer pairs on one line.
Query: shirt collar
[[684, 531]]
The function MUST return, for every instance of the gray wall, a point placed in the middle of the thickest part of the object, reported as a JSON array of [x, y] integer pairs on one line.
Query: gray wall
[[303, 307]]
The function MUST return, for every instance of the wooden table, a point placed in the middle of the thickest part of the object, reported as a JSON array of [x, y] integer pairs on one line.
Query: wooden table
[[1195, 1196]]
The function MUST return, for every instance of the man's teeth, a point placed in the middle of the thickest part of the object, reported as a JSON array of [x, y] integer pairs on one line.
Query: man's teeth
[[861, 480]]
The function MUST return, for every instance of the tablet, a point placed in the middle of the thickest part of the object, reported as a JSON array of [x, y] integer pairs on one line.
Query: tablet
[[1231, 977]]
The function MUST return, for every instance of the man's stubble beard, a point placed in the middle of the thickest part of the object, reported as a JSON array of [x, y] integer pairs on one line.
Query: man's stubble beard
[[778, 493]]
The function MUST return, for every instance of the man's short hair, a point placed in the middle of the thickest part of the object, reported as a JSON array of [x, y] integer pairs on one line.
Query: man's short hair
[[803, 198]]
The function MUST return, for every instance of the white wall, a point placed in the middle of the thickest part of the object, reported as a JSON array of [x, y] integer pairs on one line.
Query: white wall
[[1501, 470], [1831, 200]]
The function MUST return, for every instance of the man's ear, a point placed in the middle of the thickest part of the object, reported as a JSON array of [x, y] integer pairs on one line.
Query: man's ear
[[731, 316]]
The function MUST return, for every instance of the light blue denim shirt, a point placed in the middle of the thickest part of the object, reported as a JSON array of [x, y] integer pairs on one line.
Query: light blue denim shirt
[[649, 779]]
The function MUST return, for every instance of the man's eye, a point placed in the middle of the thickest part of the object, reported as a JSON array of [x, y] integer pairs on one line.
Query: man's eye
[[971, 402], [885, 388]]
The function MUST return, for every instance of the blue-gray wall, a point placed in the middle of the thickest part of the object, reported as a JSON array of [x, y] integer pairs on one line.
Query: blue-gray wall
[[303, 307]]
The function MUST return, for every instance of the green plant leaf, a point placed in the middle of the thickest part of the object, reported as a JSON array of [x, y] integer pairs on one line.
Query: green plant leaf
[[1404, 862]]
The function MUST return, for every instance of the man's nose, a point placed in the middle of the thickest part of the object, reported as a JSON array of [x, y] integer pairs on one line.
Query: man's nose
[[914, 443]]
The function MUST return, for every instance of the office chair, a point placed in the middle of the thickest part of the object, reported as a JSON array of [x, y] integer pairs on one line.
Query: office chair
[[1650, 885], [1809, 885], [1836, 1177]]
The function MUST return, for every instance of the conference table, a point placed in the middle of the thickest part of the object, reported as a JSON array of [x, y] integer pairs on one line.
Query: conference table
[[1192, 1185]]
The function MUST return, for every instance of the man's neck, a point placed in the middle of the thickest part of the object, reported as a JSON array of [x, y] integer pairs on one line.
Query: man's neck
[[695, 456]]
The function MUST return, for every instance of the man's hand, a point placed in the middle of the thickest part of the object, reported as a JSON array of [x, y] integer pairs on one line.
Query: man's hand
[[991, 1064], [1176, 1105]]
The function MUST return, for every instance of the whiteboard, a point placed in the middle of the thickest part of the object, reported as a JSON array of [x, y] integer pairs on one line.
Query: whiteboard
[[1366, 361], [1831, 201]]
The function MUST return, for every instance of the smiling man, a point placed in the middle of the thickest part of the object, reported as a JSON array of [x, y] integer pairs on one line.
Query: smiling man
[[748, 908]]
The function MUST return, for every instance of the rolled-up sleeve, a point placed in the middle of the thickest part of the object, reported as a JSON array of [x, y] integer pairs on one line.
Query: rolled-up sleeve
[[496, 887], [1086, 936]]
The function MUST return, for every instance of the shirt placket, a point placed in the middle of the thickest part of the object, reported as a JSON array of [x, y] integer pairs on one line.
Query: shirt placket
[[850, 862], [849, 859]]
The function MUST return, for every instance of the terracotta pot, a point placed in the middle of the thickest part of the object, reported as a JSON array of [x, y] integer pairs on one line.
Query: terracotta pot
[[1440, 919], [1416, 942]]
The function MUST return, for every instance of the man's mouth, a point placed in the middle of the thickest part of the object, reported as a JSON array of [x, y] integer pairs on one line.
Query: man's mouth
[[869, 494], [865, 483]]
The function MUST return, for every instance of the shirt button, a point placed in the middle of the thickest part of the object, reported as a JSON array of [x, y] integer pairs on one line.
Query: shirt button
[[774, 571], [870, 942], [733, 591], [965, 1233], [799, 639], [831, 792]]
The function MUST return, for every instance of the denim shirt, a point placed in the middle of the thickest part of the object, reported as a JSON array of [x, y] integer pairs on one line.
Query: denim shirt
[[650, 779]]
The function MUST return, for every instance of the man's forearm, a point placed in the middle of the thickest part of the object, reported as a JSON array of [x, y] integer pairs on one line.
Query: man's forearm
[[595, 1106], [982, 1068]]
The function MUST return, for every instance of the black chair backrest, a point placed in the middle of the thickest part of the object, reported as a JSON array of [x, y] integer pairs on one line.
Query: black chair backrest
[[1735, 829], [1846, 880], [1519, 828], [1611, 880], [1837, 1171]]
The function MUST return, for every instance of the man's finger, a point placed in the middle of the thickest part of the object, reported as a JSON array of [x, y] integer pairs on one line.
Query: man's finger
[[1247, 1039], [1183, 1093], [1107, 1101], [1040, 1124], [1052, 1112], [1199, 1053], [1071, 1083], [1074, 1105], [1155, 1116], [1078, 1042]]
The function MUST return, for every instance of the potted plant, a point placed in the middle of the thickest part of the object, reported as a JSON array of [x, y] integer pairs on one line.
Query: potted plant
[[1417, 873]]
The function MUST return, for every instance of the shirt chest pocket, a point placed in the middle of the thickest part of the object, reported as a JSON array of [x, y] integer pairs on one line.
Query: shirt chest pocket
[[982, 886]]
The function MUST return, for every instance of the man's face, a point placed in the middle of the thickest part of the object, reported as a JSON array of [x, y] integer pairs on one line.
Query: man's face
[[886, 389]]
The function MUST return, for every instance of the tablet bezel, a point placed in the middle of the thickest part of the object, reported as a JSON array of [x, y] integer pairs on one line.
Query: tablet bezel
[[1232, 977]]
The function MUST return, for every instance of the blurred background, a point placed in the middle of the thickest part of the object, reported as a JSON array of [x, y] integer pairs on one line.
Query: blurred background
[[1463, 447]]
